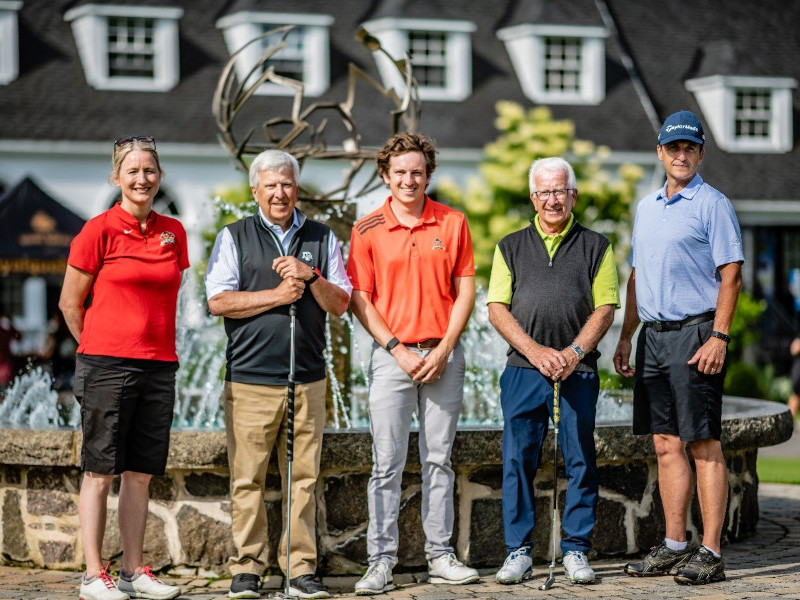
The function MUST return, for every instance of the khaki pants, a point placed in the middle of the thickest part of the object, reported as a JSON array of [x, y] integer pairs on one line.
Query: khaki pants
[[255, 418]]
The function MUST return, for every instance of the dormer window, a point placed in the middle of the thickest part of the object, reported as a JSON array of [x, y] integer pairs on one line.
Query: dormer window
[[127, 47], [305, 58], [9, 41], [440, 51], [558, 64], [746, 113]]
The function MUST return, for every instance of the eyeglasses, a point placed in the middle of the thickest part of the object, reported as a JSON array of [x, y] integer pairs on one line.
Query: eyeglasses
[[559, 194], [147, 139]]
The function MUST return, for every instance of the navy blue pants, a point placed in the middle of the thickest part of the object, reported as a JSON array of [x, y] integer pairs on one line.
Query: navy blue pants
[[527, 400]]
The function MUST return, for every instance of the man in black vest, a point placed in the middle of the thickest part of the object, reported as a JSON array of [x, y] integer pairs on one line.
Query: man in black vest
[[259, 267], [552, 295]]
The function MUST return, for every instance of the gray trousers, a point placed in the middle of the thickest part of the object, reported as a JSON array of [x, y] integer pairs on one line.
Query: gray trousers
[[393, 398]]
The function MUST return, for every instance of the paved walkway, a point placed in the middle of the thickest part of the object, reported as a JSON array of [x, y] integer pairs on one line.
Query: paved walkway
[[765, 566]]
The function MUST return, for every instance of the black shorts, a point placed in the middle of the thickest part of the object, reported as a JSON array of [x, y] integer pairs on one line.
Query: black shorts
[[671, 396], [126, 413]]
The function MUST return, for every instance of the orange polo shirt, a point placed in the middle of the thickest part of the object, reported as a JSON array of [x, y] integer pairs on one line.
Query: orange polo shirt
[[409, 271]]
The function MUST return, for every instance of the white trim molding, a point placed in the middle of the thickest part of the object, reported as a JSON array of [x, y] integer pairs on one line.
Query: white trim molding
[[9, 41], [527, 46], [312, 51], [716, 95], [90, 26], [395, 36]]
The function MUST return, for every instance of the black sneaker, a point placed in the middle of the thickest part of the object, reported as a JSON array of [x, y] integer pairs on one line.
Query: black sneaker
[[245, 585], [703, 567], [307, 586], [660, 561]]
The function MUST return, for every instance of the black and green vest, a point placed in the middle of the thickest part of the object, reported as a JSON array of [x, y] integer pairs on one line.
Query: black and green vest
[[552, 299], [258, 346]]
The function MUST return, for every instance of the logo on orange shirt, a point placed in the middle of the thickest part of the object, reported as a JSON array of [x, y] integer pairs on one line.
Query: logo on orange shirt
[[167, 237], [438, 245]]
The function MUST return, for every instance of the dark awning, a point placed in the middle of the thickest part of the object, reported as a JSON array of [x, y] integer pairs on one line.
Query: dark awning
[[35, 230]]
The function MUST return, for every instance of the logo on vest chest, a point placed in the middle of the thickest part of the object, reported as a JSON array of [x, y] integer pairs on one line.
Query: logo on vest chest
[[306, 256]]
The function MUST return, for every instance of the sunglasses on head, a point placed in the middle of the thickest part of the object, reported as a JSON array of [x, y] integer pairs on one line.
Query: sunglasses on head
[[147, 139]]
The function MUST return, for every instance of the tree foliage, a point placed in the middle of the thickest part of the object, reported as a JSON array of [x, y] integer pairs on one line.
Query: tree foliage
[[499, 202]]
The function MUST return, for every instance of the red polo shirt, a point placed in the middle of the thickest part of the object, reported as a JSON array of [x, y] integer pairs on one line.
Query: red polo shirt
[[136, 280], [409, 271]]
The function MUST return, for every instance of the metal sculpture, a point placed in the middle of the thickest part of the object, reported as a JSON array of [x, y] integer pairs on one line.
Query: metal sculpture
[[298, 135]]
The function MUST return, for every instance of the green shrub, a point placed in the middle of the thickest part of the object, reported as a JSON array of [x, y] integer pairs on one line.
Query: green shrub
[[744, 380]]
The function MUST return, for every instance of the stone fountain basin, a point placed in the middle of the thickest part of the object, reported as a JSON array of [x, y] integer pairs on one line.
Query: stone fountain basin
[[189, 521]]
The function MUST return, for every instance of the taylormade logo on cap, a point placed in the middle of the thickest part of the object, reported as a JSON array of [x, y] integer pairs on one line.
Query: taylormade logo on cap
[[682, 125]]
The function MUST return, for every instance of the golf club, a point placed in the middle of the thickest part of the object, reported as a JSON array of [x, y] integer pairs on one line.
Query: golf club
[[556, 420], [289, 449]]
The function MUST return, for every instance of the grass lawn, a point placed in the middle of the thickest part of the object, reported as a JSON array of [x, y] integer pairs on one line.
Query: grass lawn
[[773, 469]]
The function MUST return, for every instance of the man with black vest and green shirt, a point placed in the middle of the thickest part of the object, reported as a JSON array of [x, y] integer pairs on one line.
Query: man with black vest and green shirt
[[259, 267], [552, 296]]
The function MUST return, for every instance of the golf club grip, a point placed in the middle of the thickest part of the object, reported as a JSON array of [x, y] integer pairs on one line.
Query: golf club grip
[[290, 423], [556, 403]]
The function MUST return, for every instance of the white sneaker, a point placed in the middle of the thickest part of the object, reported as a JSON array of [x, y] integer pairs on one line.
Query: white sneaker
[[147, 585], [577, 568], [448, 569], [376, 580], [517, 567], [101, 587]]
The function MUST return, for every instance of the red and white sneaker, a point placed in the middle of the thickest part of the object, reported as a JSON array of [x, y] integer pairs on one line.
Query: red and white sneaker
[[101, 587], [147, 585]]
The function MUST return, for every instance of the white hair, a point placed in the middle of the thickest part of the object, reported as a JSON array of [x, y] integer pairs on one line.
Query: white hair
[[273, 160], [553, 164]]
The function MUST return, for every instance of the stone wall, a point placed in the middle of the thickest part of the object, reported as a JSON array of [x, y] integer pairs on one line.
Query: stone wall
[[189, 523]]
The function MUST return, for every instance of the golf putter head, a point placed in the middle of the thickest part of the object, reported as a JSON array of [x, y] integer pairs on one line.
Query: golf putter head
[[548, 582]]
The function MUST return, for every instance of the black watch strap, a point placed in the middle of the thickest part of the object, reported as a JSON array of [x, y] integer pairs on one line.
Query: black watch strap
[[723, 336], [391, 344], [314, 277]]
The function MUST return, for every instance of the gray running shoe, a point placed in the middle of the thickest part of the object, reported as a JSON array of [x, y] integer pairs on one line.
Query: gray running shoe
[[660, 561], [703, 567]]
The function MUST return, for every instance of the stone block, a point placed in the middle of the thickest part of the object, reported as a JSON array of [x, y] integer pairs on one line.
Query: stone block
[[56, 503], [628, 479], [410, 553], [345, 499], [15, 543], [609, 535], [489, 476], [207, 484], [45, 479], [163, 488], [206, 542], [486, 545], [54, 553]]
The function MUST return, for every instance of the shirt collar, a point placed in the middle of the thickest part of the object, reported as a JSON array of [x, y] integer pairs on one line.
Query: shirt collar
[[688, 192], [298, 219], [128, 219], [555, 236], [427, 217]]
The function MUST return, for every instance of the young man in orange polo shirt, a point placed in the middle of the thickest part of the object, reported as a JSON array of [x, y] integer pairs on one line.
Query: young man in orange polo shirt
[[413, 278]]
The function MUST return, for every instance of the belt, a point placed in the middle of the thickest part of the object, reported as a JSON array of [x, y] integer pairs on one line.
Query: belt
[[676, 325], [424, 344]]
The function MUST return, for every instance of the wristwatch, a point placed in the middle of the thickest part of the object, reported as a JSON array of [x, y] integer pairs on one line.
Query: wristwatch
[[723, 336], [313, 277], [578, 350], [391, 344]]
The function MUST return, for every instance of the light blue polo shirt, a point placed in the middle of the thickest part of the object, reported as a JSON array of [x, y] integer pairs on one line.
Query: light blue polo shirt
[[677, 245]]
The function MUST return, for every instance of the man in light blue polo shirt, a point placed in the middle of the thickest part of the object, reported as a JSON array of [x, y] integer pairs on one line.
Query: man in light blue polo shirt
[[686, 257]]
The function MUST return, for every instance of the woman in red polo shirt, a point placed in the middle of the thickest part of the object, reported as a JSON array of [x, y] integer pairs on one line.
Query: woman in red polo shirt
[[128, 262]]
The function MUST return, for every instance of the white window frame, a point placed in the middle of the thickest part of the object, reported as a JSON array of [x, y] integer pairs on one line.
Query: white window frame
[[393, 34], [90, 28], [9, 41], [240, 28], [526, 46], [716, 96]]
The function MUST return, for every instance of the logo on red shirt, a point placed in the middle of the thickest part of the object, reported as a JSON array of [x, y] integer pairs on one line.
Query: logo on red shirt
[[167, 237], [437, 244]]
